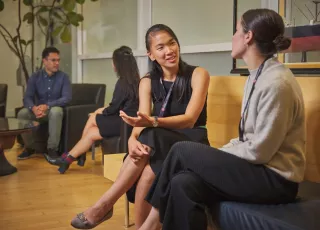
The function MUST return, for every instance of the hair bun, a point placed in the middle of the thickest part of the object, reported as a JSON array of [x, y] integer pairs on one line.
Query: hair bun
[[281, 42], [128, 53]]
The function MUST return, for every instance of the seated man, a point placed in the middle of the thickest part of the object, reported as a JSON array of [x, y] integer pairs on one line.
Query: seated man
[[48, 90]]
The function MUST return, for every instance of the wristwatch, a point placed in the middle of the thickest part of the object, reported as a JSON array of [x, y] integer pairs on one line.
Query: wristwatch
[[155, 123]]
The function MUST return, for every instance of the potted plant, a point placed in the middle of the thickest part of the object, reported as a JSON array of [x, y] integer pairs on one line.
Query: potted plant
[[53, 17]]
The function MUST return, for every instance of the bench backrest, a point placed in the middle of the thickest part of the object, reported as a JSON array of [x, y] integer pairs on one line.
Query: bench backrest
[[223, 110]]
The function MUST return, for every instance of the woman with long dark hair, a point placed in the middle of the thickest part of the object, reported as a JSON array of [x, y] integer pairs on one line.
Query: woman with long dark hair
[[105, 122], [172, 108], [265, 164]]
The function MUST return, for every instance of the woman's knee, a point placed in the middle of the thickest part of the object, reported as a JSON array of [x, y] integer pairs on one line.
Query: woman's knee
[[92, 118], [182, 180], [93, 134], [179, 149], [185, 183]]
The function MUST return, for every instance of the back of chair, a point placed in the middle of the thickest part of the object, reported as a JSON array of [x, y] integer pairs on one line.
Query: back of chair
[[86, 94], [3, 99]]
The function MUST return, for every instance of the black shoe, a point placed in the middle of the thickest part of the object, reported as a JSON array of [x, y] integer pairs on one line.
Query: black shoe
[[52, 156], [64, 166], [26, 154], [82, 159]]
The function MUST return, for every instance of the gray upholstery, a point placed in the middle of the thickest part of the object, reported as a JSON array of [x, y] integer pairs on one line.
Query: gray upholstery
[[304, 214]]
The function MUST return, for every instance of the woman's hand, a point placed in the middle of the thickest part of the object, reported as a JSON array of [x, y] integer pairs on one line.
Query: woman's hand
[[142, 120], [136, 149]]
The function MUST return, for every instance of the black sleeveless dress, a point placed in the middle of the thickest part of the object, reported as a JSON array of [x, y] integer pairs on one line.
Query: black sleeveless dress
[[160, 139]]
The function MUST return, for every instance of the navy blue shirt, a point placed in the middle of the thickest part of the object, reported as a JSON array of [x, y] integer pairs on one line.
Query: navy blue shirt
[[52, 91]]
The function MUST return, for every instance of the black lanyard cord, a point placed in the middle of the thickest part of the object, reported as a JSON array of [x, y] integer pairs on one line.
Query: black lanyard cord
[[241, 123], [165, 102]]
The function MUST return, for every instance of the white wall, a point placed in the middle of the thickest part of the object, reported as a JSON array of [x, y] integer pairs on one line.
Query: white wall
[[8, 61]]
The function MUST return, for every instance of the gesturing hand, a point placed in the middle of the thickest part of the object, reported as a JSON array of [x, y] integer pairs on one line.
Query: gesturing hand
[[142, 120]]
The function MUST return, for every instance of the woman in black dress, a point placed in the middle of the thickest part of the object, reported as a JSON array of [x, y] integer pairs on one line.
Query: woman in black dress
[[105, 122], [177, 92]]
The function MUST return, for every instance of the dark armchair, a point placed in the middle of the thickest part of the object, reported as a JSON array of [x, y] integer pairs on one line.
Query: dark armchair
[[3, 99], [86, 98]]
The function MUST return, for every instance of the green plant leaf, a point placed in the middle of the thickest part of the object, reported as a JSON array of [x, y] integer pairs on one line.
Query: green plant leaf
[[29, 17], [69, 5], [65, 36], [57, 15], [1, 5], [23, 42], [42, 9], [94, 0], [57, 30], [74, 18], [43, 21], [80, 1], [27, 2]]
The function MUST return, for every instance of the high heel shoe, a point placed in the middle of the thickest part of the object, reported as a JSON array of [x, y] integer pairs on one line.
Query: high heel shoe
[[62, 163], [82, 159], [81, 222], [64, 166]]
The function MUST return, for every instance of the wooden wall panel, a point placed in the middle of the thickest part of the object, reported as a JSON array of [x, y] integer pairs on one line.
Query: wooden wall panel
[[224, 105]]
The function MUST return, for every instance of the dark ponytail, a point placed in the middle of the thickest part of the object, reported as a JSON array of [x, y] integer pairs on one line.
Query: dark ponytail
[[127, 70]]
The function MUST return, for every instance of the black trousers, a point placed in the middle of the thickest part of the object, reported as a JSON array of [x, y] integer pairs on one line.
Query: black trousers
[[194, 176], [160, 140]]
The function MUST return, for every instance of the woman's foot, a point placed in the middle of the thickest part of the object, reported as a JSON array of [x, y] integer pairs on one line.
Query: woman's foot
[[63, 162], [91, 218]]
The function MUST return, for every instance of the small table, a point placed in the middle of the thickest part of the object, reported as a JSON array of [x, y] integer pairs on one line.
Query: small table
[[9, 129]]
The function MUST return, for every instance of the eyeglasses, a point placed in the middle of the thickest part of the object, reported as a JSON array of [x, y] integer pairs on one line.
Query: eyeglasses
[[54, 60]]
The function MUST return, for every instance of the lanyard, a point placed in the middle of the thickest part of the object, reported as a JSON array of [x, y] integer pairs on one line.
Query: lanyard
[[241, 123], [165, 102]]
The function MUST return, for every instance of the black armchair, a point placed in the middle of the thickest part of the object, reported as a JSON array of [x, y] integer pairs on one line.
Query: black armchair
[[3, 99], [86, 98], [117, 144]]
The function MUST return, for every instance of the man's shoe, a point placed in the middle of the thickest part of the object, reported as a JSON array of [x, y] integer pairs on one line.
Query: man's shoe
[[51, 156], [53, 153], [26, 154]]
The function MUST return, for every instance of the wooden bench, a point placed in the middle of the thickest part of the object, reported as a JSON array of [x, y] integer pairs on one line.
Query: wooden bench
[[223, 113]]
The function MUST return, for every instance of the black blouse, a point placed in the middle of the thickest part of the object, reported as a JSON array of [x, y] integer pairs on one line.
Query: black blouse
[[121, 100]]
